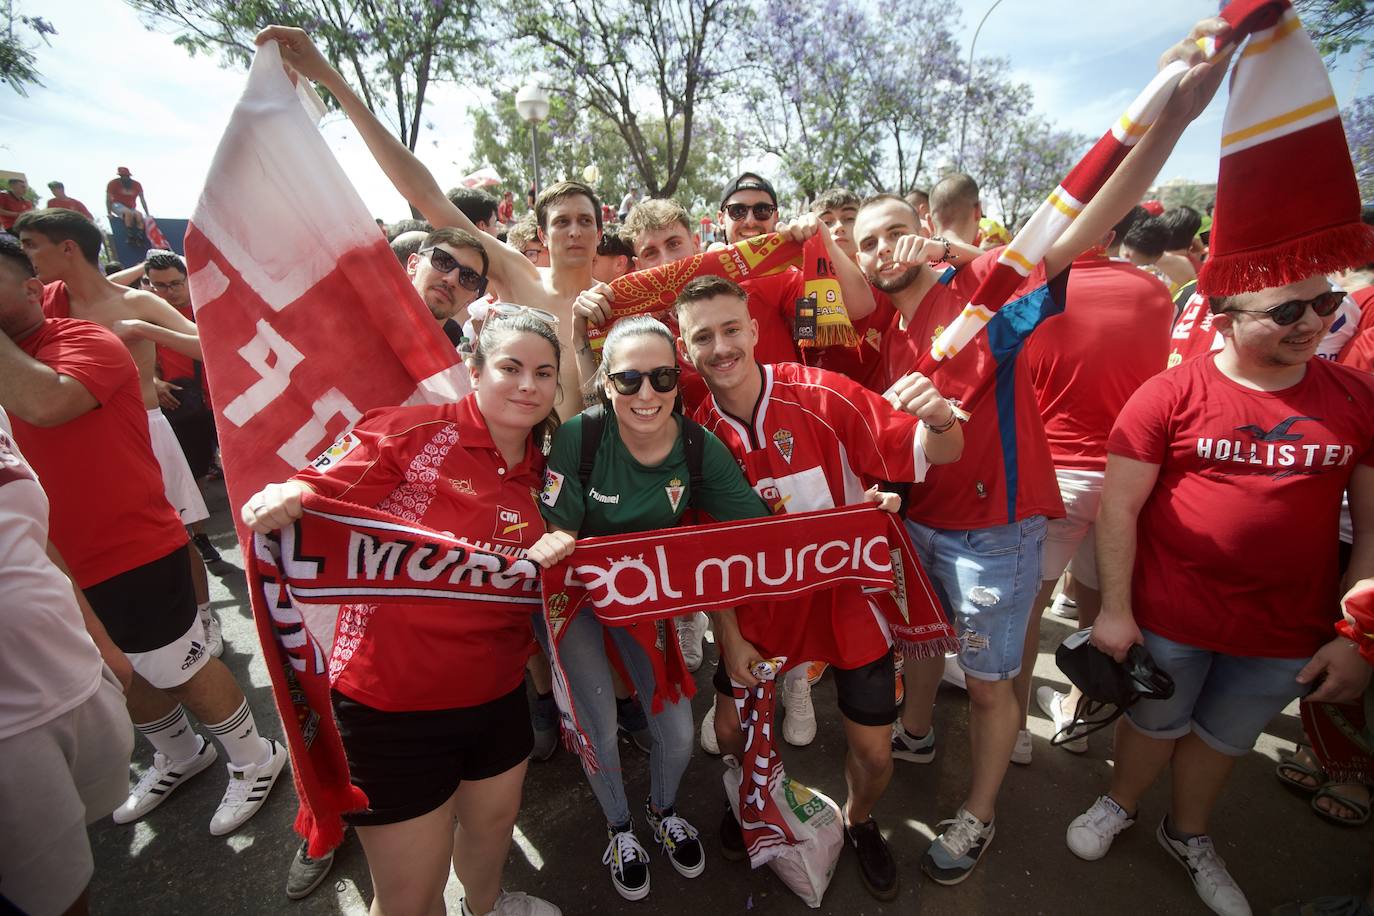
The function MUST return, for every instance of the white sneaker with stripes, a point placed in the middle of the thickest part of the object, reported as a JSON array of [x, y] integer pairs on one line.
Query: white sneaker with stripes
[[160, 780], [248, 788]]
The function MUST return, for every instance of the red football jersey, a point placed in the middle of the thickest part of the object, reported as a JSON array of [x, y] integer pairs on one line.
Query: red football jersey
[[436, 465]]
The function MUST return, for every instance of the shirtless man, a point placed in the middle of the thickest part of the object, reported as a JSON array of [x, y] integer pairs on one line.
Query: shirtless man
[[568, 213], [64, 247]]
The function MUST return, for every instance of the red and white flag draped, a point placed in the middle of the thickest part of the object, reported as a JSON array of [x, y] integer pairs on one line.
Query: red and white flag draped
[[1019, 259], [306, 321]]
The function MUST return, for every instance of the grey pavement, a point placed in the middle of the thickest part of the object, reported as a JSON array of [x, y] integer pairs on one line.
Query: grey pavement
[[1276, 848]]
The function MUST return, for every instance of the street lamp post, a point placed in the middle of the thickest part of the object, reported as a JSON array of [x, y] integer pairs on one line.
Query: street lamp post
[[963, 127], [532, 104]]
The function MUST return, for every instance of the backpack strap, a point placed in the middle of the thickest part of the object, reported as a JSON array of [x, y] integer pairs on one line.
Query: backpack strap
[[694, 448], [593, 421]]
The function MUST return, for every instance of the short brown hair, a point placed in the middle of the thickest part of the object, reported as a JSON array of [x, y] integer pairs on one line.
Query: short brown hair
[[522, 232], [882, 198], [953, 197], [652, 215], [561, 191], [458, 238], [835, 199], [707, 287], [58, 225]]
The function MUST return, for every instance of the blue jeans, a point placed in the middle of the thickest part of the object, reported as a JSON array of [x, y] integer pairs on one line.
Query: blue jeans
[[1226, 699], [583, 653], [987, 579]]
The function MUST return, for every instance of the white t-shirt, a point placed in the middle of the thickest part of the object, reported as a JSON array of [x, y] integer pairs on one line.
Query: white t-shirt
[[48, 662]]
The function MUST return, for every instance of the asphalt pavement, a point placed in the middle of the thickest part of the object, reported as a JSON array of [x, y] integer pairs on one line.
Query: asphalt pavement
[[1276, 848]]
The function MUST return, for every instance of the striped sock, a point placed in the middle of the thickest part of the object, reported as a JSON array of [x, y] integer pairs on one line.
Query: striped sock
[[172, 736], [239, 737]]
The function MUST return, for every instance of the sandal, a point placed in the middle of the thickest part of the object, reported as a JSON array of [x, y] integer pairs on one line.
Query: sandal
[[1359, 809], [1299, 771]]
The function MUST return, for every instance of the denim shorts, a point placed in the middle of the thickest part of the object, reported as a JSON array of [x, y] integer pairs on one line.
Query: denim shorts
[[987, 579], [1226, 699]]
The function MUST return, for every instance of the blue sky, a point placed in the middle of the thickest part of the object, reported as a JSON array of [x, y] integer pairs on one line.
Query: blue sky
[[118, 94]]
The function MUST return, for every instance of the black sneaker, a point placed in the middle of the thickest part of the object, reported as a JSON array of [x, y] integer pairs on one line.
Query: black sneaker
[[678, 839], [208, 553], [876, 866], [628, 861], [731, 838], [305, 873]]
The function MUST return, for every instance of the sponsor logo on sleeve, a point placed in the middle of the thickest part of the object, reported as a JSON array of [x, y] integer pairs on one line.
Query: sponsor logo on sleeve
[[336, 452], [553, 485]]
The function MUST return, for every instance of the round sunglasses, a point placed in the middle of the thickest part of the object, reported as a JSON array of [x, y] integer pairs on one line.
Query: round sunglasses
[[762, 212], [445, 263], [663, 379], [1286, 313]]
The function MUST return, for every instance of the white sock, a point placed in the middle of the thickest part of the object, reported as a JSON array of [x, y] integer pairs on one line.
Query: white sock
[[239, 737], [172, 736]]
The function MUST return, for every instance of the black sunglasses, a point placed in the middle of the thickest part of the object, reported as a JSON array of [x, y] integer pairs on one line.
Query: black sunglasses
[[1289, 312], [446, 263], [663, 379], [762, 212]]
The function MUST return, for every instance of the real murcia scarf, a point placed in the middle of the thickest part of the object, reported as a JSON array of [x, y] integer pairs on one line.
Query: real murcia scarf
[[654, 290], [1263, 90], [339, 553]]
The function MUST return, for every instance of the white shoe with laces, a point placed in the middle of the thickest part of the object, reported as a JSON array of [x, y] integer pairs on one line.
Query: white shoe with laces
[[247, 790], [161, 780], [1051, 703], [709, 744], [799, 716], [516, 903], [1021, 753], [691, 631], [1090, 834], [1213, 882]]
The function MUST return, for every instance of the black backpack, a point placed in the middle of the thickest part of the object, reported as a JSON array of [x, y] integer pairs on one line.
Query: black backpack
[[693, 446]]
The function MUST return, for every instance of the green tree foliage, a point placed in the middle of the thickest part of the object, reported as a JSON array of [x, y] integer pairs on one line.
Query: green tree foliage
[[389, 50], [18, 66], [650, 68], [1338, 26], [1359, 133]]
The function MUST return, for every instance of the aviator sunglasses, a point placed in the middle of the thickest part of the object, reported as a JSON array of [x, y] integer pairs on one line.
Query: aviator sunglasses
[[1286, 313], [762, 212], [663, 379], [445, 263]]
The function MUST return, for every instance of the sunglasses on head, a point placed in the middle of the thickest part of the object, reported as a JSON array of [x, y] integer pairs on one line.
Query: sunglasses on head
[[663, 379], [762, 212], [1286, 313], [446, 263], [510, 310]]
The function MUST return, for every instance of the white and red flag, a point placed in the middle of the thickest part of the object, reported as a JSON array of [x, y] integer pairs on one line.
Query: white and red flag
[[306, 321]]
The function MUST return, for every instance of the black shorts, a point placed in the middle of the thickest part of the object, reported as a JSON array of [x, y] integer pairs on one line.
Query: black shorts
[[198, 440], [866, 695], [149, 606], [409, 763]]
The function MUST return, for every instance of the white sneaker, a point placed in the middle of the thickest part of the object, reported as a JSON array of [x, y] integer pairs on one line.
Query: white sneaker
[[709, 744], [247, 790], [954, 675], [1051, 703], [214, 635], [1064, 607], [516, 903], [1214, 883], [799, 716], [1021, 753], [1090, 834], [160, 780], [691, 630]]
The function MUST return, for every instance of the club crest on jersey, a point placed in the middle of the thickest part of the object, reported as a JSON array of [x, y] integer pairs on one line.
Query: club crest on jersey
[[874, 338], [553, 485], [783, 440], [675, 489], [509, 525], [336, 452]]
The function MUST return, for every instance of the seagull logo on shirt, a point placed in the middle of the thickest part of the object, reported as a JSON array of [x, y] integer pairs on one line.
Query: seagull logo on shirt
[[1280, 433]]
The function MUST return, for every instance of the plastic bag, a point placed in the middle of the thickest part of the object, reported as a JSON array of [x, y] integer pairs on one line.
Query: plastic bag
[[814, 820]]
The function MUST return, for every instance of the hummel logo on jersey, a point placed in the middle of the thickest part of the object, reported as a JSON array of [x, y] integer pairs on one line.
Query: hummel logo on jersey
[[603, 498]]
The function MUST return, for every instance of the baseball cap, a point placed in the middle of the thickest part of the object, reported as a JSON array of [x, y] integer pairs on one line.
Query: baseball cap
[[748, 181], [124, 170]]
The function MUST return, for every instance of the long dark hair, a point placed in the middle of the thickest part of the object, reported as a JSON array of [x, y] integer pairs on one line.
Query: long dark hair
[[499, 328]]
